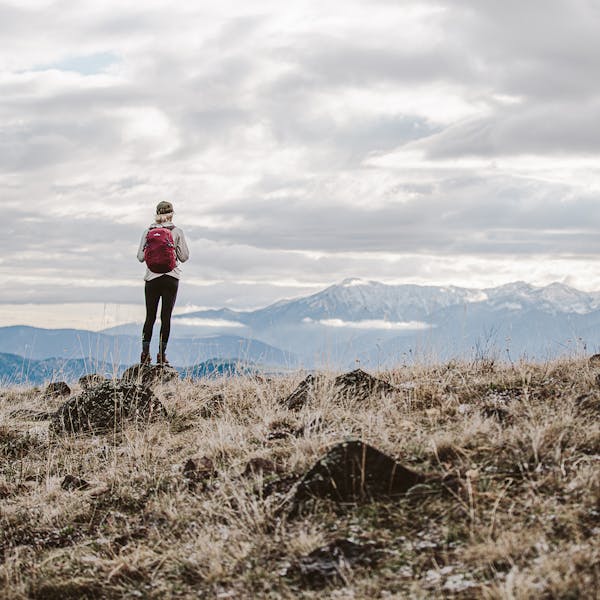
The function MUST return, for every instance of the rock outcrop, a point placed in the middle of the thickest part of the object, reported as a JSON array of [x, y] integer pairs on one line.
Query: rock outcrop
[[149, 374], [354, 472], [91, 380], [301, 395], [107, 407], [359, 385]]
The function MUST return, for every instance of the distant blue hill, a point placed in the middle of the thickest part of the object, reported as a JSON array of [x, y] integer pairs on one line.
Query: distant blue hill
[[218, 368], [376, 324], [17, 370], [38, 344], [385, 325]]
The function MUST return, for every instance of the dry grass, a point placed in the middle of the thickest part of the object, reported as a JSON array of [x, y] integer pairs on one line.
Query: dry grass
[[524, 521]]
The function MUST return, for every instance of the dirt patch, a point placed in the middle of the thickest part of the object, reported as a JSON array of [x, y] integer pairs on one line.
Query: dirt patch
[[332, 563]]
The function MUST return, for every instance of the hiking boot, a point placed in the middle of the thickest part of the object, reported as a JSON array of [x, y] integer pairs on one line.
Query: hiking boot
[[145, 358], [161, 359]]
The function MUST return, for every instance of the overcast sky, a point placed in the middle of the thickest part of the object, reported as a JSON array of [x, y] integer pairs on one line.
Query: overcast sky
[[421, 142]]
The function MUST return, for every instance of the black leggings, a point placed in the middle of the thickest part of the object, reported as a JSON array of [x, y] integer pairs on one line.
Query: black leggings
[[165, 288]]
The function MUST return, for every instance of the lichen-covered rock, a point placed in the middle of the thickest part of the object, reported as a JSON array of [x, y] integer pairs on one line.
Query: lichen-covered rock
[[301, 395], [56, 389], [144, 374], [91, 380], [359, 385], [353, 471], [107, 407]]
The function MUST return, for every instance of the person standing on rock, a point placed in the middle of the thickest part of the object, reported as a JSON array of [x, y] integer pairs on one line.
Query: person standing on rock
[[162, 248]]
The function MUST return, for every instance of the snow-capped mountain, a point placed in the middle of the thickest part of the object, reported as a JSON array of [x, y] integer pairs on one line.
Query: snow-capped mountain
[[355, 300], [358, 318], [378, 324], [553, 298]]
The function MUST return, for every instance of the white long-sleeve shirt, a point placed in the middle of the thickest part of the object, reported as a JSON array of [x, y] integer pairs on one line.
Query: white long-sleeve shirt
[[182, 251]]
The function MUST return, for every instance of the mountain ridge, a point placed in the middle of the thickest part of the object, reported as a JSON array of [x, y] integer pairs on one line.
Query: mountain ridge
[[363, 320], [18, 370], [40, 344], [354, 300]]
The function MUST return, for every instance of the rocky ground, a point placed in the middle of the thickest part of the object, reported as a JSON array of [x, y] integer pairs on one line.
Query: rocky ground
[[467, 481]]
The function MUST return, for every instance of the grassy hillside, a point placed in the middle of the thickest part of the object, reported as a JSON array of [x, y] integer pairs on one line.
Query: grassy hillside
[[184, 507]]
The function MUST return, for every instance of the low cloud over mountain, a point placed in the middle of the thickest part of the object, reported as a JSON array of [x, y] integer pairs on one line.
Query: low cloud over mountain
[[368, 321]]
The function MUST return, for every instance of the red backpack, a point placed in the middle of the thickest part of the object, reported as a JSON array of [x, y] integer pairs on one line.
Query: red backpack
[[159, 250]]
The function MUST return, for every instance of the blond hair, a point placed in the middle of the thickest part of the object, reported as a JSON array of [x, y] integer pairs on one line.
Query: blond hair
[[164, 218]]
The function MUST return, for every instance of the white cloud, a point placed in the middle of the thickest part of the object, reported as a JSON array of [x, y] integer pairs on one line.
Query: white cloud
[[301, 144], [197, 322], [372, 324], [89, 316]]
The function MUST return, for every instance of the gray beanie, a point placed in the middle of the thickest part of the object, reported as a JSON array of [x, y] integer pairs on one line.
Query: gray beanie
[[164, 208]]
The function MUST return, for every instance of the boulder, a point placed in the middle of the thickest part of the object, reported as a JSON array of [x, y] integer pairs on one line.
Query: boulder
[[354, 472], [149, 374], [57, 389], [107, 407], [359, 385], [301, 395]]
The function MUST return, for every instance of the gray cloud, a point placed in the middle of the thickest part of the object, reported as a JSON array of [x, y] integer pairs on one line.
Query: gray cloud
[[544, 129], [328, 61], [457, 218], [309, 148]]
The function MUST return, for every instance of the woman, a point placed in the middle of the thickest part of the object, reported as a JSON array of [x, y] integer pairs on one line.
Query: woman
[[162, 238]]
